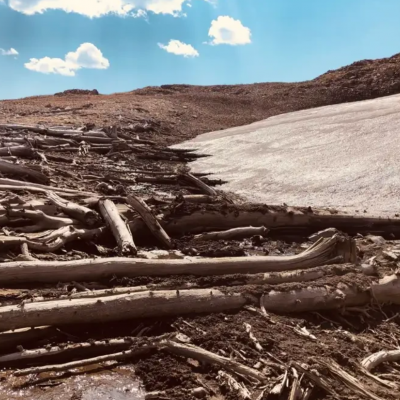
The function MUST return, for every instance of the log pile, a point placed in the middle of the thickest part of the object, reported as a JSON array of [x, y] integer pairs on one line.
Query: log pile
[[101, 231]]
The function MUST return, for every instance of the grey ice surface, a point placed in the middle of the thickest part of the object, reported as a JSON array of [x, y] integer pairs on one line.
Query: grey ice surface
[[345, 156]]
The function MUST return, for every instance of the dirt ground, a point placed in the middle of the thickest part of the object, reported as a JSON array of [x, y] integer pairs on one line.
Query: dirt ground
[[163, 116]]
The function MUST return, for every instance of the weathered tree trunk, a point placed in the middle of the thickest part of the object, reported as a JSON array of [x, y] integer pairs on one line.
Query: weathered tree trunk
[[279, 221], [119, 307], [150, 220], [81, 213], [388, 290], [96, 269], [18, 151], [119, 229], [22, 171]]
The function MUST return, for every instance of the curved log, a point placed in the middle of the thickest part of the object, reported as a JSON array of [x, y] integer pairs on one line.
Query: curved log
[[375, 359], [97, 269]]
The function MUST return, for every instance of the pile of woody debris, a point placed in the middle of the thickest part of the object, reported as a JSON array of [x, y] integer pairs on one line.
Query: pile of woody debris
[[111, 250]]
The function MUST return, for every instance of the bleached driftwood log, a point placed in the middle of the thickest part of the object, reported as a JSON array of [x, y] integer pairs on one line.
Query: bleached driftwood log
[[150, 220], [277, 220], [119, 229], [97, 269], [81, 363], [375, 359], [86, 215], [235, 233], [119, 307], [314, 299]]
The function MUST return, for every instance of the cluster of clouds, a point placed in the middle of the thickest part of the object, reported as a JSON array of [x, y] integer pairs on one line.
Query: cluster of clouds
[[99, 8], [87, 55], [224, 30]]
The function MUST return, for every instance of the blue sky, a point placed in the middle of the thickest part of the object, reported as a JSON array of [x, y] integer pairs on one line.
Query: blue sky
[[120, 45]]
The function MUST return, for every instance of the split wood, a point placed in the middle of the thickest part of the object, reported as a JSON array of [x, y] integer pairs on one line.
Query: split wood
[[350, 381]]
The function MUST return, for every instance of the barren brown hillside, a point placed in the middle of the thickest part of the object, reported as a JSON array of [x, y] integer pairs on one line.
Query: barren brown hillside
[[177, 112]]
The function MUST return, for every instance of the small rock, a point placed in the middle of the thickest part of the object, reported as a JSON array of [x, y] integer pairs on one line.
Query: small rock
[[199, 392]]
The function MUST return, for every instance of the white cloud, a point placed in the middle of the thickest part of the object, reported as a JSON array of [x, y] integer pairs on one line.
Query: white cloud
[[179, 48], [98, 8], [86, 56], [226, 30], [11, 52]]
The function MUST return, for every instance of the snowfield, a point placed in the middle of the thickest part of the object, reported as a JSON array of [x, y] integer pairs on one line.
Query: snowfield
[[345, 156]]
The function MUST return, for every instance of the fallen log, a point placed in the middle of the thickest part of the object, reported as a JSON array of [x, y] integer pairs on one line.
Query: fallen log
[[119, 307], [279, 221], [314, 299], [97, 269], [22, 171], [150, 220], [119, 229], [18, 151], [200, 184], [274, 278], [231, 234], [81, 363], [11, 339], [86, 215], [10, 184], [82, 349]]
